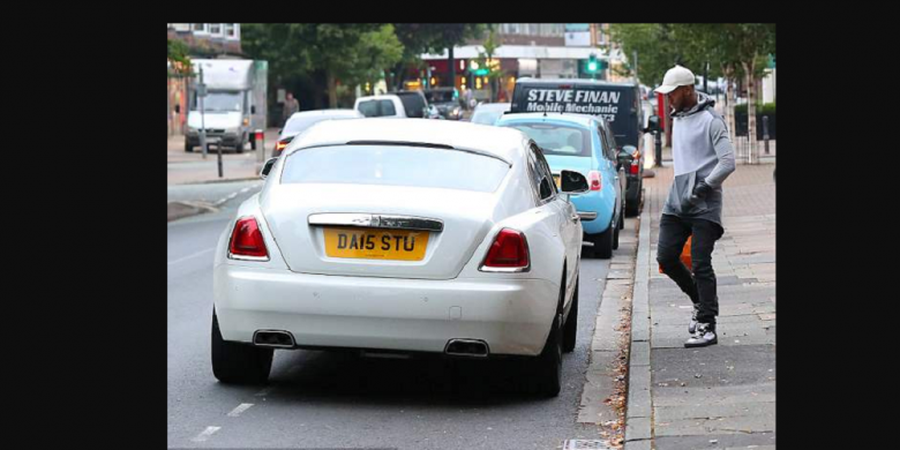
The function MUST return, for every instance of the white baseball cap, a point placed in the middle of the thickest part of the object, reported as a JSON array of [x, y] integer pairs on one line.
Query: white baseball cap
[[676, 77]]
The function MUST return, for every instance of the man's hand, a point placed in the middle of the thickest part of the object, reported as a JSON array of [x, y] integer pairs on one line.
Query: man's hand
[[701, 190]]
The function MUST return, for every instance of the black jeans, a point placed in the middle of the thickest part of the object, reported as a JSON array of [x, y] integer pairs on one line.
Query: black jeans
[[701, 286]]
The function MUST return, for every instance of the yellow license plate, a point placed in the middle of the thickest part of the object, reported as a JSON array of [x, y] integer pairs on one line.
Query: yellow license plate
[[558, 183], [372, 243]]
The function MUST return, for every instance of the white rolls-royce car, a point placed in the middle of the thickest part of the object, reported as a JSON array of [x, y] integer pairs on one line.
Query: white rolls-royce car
[[402, 235]]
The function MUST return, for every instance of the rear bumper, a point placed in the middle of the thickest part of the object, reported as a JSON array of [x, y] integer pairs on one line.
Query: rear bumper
[[512, 316], [594, 203], [226, 139]]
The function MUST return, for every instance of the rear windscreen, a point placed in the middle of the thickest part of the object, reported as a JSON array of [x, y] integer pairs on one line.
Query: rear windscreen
[[395, 166]]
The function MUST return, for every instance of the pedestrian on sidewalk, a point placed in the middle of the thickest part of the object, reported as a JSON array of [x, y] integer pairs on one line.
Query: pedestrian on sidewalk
[[291, 106], [703, 157]]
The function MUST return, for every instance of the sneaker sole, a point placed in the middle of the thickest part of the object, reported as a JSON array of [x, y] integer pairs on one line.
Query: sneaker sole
[[712, 342]]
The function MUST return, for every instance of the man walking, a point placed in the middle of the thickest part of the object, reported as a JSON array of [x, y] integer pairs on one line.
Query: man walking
[[703, 157], [291, 106]]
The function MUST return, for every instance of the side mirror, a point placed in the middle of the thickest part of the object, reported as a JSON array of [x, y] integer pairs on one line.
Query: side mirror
[[573, 182], [253, 109], [267, 168]]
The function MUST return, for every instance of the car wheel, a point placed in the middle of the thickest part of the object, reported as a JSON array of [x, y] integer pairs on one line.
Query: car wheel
[[188, 148], [603, 242], [239, 148], [571, 327], [238, 363], [632, 209], [548, 366], [615, 244]]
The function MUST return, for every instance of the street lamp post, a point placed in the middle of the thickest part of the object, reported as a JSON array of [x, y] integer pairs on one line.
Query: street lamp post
[[201, 93]]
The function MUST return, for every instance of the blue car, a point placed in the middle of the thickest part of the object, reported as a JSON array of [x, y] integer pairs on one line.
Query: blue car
[[581, 143]]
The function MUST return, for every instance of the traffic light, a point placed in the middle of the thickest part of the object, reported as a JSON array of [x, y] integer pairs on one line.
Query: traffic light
[[593, 65]]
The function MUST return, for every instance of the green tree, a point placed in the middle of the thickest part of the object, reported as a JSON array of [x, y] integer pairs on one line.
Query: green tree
[[178, 55], [734, 51], [741, 51], [419, 38], [345, 53], [659, 47], [491, 44]]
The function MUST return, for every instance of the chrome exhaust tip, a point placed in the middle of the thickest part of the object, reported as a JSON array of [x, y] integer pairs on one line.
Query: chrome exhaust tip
[[273, 339], [467, 347]]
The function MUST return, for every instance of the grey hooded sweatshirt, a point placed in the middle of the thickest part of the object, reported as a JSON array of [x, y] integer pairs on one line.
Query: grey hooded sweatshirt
[[701, 150]]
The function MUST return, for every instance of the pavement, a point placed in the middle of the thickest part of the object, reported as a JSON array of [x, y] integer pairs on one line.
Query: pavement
[[194, 185], [722, 396], [192, 168]]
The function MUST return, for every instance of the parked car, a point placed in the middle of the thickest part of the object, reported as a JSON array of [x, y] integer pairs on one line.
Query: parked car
[[581, 143], [414, 102], [489, 113], [446, 100], [301, 121], [619, 103], [355, 241]]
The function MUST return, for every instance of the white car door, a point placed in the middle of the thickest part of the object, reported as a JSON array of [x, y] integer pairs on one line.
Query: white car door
[[565, 223]]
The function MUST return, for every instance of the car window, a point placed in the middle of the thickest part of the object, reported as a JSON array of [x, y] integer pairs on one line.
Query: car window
[[534, 176], [377, 108], [394, 166], [414, 104], [544, 177], [606, 139], [613, 147], [557, 139], [387, 108]]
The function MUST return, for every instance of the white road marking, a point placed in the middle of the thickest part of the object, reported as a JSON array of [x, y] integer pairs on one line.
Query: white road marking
[[206, 434], [201, 252], [237, 411]]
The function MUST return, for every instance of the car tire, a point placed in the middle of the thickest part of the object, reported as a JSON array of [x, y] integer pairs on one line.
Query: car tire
[[547, 370], [238, 363], [188, 148], [615, 244], [603, 242], [633, 209], [571, 327], [239, 148]]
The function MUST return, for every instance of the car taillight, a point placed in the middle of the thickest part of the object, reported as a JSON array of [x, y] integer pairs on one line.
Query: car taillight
[[509, 251], [595, 180], [247, 240]]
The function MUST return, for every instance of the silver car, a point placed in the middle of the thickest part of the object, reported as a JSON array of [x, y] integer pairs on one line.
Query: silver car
[[301, 121]]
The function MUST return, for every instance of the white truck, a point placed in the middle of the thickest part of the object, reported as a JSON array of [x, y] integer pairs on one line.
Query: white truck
[[234, 105]]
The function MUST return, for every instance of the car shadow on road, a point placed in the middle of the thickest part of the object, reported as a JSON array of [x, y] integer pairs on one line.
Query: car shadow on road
[[336, 377]]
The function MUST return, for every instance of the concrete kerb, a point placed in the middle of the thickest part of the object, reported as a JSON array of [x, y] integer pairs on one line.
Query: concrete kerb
[[222, 180], [181, 209], [639, 410]]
